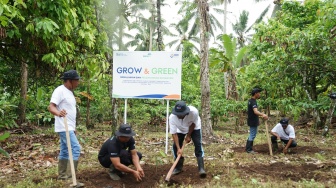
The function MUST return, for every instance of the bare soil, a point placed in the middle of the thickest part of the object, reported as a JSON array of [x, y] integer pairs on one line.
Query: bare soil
[[301, 163]]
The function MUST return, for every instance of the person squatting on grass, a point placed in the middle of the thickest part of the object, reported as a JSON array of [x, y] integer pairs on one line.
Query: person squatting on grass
[[185, 125], [253, 118], [63, 104], [283, 132], [118, 152]]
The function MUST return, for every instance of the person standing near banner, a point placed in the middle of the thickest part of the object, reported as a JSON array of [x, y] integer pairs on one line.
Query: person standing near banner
[[63, 104], [185, 125]]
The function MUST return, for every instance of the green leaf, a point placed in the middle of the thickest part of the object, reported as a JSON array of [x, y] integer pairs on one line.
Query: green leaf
[[4, 136], [4, 152]]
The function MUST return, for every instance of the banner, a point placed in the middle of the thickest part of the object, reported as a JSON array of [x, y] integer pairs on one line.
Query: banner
[[147, 74]]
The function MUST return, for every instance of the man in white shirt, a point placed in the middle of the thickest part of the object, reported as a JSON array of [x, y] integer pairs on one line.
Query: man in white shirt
[[63, 104], [185, 125], [283, 132]]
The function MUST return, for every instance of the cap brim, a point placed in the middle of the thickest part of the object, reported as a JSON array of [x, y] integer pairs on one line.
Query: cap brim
[[181, 113], [122, 134]]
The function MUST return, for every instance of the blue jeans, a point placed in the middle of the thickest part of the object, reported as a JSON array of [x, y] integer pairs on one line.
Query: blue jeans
[[64, 154], [253, 133]]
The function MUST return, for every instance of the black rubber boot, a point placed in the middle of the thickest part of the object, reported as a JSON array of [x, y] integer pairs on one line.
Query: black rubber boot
[[201, 170], [62, 169], [249, 147], [79, 184], [179, 166], [275, 146]]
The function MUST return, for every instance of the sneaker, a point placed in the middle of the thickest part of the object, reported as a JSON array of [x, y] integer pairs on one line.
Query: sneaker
[[114, 176], [252, 152]]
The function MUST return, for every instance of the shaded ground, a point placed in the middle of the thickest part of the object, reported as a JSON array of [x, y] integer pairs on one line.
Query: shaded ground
[[154, 176], [264, 149]]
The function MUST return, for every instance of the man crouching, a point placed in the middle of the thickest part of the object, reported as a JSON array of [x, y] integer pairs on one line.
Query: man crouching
[[118, 152]]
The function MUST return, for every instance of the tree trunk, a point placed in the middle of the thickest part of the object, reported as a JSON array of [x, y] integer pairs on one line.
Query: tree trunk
[[88, 104], [23, 93], [329, 117], [151, 29], [159, 39], [203, 9], [225, 16]]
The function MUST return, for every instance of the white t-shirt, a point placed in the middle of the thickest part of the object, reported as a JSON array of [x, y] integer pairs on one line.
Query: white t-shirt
[[284, 134], [177, 125], [64, 99]]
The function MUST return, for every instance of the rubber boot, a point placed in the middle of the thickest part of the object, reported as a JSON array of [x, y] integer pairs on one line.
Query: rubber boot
[[62, 169], [201, 170], [249, 147], [275, 147], [179, 166], [69, 174], [113, 173], [253, 152]]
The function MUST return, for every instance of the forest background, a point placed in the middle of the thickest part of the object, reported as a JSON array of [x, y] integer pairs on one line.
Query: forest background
[[291, 56]]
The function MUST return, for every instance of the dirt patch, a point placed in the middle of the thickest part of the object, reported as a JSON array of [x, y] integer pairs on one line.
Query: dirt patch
[[263, 149], [154, 175], [285, 172]]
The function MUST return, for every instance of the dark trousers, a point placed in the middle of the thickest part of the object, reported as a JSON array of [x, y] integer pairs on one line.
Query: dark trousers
[[196, 137], [274, 141], [125, 159]]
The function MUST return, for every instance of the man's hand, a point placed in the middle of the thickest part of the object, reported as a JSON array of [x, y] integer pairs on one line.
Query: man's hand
[[278, 139], [142, 173], [179, 151], [137, 175], [62, 113], [265, 116], [187, 139], [285, 150]]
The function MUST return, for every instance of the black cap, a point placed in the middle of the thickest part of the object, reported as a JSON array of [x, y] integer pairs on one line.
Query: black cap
[[125, 130], [284, 121], [181, 109], [256, 90], [70, 75]]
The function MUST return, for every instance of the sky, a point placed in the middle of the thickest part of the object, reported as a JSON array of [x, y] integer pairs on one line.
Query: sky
[[235, 8]]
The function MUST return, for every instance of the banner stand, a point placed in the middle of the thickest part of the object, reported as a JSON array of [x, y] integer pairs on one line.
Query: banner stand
[[167, 124], [125, 112]]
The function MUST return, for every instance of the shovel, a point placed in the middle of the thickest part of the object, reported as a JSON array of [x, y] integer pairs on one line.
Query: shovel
[[74, 181], [268, 139], [174, 164]]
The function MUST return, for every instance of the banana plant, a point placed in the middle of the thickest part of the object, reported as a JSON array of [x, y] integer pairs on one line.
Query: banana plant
[[230, 61]]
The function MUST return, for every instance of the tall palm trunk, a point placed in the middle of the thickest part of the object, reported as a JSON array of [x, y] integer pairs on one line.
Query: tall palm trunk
[[159, 39], [225, 16], [23, 93], [203, 9]]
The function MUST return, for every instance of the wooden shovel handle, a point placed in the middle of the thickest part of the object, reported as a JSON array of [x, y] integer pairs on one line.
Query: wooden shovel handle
[[174, 164]]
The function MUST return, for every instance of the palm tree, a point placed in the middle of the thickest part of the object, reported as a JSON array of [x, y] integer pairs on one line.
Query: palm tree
[[204, 20], [190, 15], [184, 34]]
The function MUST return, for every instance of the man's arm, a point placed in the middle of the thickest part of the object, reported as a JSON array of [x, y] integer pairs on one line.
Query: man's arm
[[287, 146], [119, 166], [275, 134], [136, 162], [256, 112], [52, 109], [191, 129]]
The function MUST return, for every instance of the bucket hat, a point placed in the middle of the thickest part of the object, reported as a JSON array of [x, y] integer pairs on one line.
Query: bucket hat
[[125, 130], [181, 109], [70, 75]]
